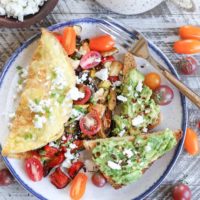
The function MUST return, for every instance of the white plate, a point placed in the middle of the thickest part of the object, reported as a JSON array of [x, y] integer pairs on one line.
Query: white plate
[[129, 7], [174, 117]]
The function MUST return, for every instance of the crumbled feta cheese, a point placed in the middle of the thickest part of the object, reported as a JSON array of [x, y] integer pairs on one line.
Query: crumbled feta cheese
[[145, 130], [64, 137], [129, 88], [136, 95], [72, 146], [69, 158], [139, 86], [75, 94], [81, 79], [39, 121], [117, 83], [102, 74], [148, 148], [77, 114], [129, 163], [59, 82], [114, 165], [121, 133], [40, 106], [128, 153], [20, 8], [53, 144], [137, 120], [122, 98]]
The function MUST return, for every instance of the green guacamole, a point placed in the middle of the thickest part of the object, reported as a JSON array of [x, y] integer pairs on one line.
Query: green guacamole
[[138, 103], [128, 167]]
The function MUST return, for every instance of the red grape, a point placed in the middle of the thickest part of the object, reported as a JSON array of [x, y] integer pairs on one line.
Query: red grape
[[98, 179], [187, 65], [6, 177], [163, 95], [181, 192]]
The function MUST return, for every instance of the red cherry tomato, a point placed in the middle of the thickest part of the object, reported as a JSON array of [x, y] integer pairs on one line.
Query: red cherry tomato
[[98, 179], [191, 143], [189, 46], [163, 95], [152, 80], [187, 65], [69, 40], [34, 169], [189, 32], [87, 94], [90, 60], [50, 151], [59, 178], [113, 79], [181, 192], [107, 59], [58, 36], [90, 124], [6, 177], [102, 43], [75, 168], [56, 160], [78, 186]]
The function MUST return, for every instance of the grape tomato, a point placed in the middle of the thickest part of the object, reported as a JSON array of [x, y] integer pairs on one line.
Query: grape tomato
[[98, 179], [152, 80], [163, 95], [34, 169], [6, 177], [187, 65], [90, 60], [181, 192]]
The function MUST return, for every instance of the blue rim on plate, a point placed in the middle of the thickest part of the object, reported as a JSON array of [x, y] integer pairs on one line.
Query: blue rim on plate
[[152, 47]]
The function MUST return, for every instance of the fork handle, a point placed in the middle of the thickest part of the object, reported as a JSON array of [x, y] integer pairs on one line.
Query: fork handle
[[182, 88]]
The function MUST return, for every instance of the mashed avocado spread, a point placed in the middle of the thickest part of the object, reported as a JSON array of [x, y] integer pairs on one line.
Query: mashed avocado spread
[[138, 110], [124, 161]]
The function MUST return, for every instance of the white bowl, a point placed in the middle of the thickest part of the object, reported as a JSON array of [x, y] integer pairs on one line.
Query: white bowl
[[129, 7]]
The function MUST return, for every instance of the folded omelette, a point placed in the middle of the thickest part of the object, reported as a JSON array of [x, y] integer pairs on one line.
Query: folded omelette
[[44, 104]]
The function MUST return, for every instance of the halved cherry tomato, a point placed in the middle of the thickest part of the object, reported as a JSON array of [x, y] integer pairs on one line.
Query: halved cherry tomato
[[75, 168], [107, 59], [113, 78], [90, 60], [69, 40], [189, 32], [78, 186], [152, 80], [34, 169], [90, 124], [102, 43], [87, 94], [163, 95], [79, 144], [191, 143], [58, 36], [59, 178], [189, 46], [50, 151]]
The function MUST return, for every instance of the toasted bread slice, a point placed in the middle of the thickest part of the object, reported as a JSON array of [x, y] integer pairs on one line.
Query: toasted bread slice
[[90, 145]]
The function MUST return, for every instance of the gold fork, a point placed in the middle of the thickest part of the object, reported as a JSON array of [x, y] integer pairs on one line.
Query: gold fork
[[136, 44]]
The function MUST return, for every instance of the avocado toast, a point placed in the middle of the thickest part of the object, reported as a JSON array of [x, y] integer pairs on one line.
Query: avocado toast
[[137, 111], [123, 160]]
